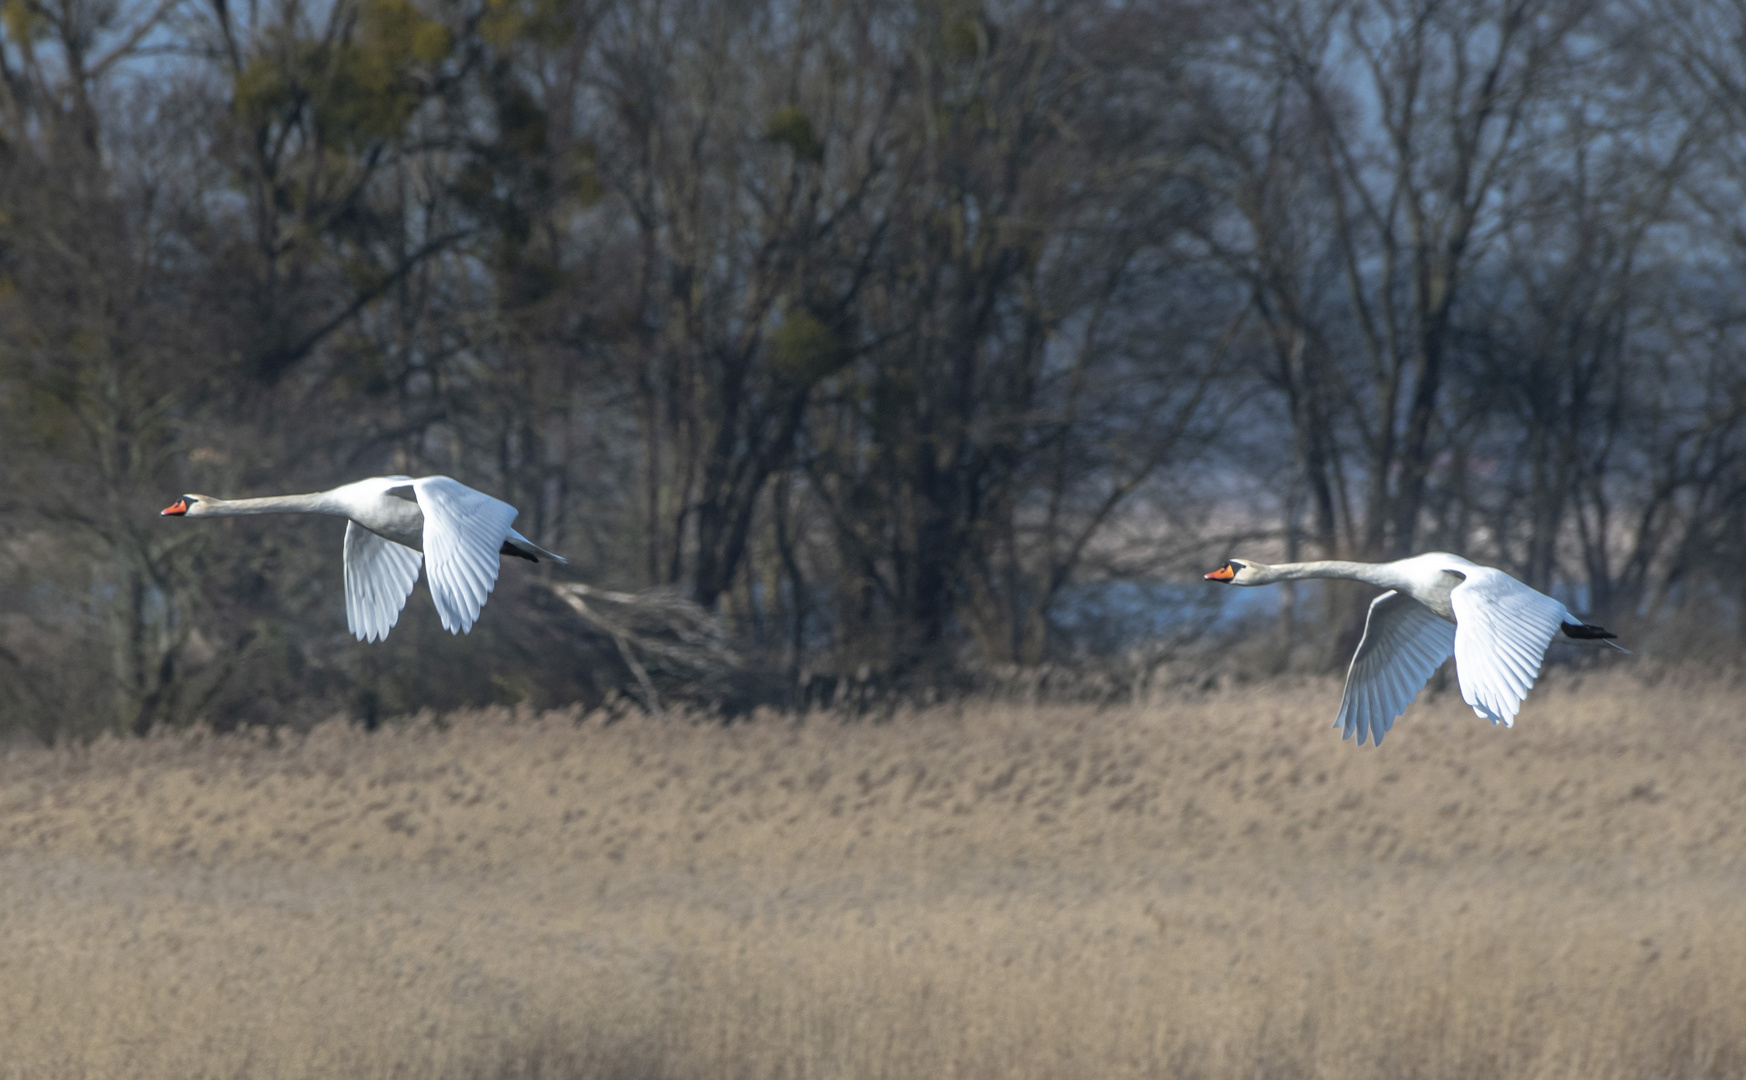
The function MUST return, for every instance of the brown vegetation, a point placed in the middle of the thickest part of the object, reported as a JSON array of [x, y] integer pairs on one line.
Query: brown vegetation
[[1214, 886]]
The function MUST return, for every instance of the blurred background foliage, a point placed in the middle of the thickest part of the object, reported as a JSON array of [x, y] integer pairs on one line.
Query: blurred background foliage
[[907, 342]]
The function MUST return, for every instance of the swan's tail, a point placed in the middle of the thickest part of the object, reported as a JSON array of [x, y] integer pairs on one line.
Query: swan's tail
[[523, 548], [1589, 634]]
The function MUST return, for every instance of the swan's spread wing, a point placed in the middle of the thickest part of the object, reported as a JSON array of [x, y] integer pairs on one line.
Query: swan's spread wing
[[463, 533], [379, 577], [1502, 630], [1404, 644]]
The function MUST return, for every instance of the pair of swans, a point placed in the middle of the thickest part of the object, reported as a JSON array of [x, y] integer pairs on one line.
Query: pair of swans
[[1437, 605]]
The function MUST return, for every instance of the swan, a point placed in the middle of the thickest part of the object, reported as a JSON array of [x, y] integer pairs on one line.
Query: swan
[[391, 520], [1436, 605]]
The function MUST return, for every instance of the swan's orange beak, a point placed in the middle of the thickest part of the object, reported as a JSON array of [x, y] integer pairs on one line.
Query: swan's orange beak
[[175, 509], [1223, 573]]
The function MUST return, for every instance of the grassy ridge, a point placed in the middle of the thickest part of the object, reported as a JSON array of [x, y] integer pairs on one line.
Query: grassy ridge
[[1217, 887]]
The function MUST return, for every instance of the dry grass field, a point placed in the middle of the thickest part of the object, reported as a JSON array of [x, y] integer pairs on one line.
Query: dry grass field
[[1215, 887]]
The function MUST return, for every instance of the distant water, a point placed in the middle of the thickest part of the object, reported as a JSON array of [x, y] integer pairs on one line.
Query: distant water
[[1109, 616]]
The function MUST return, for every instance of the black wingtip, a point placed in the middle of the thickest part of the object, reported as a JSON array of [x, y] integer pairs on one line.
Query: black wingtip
[[1585, 632]]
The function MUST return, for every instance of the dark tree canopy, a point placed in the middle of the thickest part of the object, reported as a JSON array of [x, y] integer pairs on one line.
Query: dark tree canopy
[[890, 335]]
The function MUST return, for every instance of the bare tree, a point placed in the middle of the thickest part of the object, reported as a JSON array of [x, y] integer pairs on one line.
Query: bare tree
[[1397, 124], [875, 338], [92, 340]]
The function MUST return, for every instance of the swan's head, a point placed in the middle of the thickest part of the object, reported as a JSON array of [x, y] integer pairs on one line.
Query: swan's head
[[188, 506], [1239, 572]]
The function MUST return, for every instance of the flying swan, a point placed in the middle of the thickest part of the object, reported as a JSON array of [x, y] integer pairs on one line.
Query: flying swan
[[390, 520], [1436, 605]]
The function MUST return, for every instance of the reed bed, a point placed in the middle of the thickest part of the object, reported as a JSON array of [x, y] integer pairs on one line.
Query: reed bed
[[1210, 887]]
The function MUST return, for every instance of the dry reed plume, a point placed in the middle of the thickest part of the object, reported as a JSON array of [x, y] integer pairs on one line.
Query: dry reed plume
[[1217, 887]]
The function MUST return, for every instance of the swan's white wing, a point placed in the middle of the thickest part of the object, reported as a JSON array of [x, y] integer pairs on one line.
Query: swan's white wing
[[379, 577], [464, 531], [1404, 644], [1502, 630]]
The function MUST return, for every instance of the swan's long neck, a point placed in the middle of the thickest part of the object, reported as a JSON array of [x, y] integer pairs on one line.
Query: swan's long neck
[[1374, 573], [321, 502]]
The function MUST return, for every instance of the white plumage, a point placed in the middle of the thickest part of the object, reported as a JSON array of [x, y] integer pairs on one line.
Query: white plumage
[[1404, 644], [395, 523], [1502, 630], [380, 575], [464, 531], [1437, 605]]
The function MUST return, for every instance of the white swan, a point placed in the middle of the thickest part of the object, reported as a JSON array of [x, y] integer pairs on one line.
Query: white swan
[[391, 519], [1438, 604]]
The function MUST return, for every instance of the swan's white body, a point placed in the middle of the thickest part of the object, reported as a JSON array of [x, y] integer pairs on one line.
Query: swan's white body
[[1438, 605], [395, 523]]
